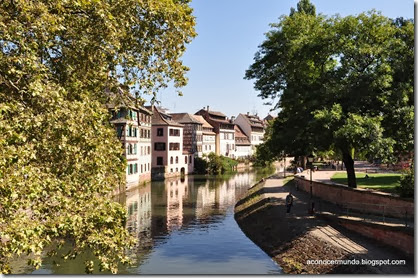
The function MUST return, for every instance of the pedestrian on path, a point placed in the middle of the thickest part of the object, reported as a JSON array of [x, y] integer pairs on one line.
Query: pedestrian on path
[[289, 202]]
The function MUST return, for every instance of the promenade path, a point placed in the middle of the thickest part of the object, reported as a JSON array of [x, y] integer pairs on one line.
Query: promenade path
[[300, 219]]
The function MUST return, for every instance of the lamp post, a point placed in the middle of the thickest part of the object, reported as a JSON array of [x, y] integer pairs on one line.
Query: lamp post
[[312, 204]]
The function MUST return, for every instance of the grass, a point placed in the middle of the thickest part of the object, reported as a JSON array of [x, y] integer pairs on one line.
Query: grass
[[380, 182]]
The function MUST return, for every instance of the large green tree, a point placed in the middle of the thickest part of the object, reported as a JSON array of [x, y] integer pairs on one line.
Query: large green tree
[[60, 159], [342, 83]]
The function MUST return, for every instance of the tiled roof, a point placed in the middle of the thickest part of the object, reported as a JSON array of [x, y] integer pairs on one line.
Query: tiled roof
[[268, 118], [160, 117], [202, 120], [254, 121], [184, 118], [240, 137], [218, 114], [124, 99]]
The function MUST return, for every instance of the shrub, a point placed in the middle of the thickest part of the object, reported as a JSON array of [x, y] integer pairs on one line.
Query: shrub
[[406, 187], [200, 165]]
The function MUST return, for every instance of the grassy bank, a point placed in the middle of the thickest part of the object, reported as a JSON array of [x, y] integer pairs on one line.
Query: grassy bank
[[381, 182]]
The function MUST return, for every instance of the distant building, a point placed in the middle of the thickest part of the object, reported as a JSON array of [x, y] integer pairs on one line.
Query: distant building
[[242, 144], [169, 159], [133, 126], [267, 119], [253, 127], [209, 136], [224, 130], [192, 133]]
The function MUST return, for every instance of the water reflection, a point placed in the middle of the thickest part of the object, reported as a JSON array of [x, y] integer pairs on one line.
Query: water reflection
[[185, 226]]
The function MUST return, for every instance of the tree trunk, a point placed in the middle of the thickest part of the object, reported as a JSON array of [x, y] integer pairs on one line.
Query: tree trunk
[[349, 166]]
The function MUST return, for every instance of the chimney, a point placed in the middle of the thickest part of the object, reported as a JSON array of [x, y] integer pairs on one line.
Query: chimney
[[248, 113], [232, 119], [207, 108]]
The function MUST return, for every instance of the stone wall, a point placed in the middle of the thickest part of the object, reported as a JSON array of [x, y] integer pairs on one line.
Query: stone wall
[[401, 238], [355, 198]]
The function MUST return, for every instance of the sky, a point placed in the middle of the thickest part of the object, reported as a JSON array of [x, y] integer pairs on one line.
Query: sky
[[229, 33]]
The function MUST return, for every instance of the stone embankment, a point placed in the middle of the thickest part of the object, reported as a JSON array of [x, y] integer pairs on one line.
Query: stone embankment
[[301, 243]]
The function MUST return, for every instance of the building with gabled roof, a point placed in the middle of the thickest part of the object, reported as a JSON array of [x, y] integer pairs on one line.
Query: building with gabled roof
[[208, 136], [169, 159], [242, 144], [224, 130], [253, 127], [192, 132], [132, 122]]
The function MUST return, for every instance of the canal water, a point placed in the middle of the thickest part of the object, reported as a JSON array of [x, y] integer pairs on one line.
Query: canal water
[[185, 226]]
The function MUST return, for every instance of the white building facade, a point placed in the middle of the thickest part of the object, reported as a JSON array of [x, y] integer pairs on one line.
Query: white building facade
[[253, 127]]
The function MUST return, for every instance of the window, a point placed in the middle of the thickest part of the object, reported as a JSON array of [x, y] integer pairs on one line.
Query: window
[[149, 149], [159, 146], [177, 160], [174, 132], [190, 159], [177, 169], [135, 168], [135, 149], [160, 132], [159, 160], [171, 160], [185, 159], [119, 130], [119, 114], [174, 146], [142, 170]]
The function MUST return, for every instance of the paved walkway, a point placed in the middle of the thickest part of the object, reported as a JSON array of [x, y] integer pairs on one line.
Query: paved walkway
[[351, 242]]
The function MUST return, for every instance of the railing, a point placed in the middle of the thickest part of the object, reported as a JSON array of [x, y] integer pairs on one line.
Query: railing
[[372, 213]]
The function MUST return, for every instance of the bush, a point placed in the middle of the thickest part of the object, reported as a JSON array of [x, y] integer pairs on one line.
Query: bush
[[219, 164], [200, 165], [406, 187]]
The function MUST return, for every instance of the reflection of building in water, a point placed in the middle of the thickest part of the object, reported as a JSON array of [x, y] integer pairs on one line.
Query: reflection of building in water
[[217, 196], [138, 203], [177, 193], [225, 194]]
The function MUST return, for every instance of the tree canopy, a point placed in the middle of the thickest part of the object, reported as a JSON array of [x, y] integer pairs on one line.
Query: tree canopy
[[60, 159], [341, 83]]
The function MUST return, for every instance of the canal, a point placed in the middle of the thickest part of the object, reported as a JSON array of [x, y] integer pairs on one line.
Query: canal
[[184, 226]]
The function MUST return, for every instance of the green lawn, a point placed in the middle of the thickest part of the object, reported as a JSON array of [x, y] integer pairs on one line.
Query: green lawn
[[381, 182]]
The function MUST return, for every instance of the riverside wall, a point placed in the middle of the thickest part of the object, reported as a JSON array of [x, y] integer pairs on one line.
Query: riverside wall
[[355, 198]]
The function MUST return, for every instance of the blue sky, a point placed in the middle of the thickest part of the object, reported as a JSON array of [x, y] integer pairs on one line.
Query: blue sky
[[229, 32]]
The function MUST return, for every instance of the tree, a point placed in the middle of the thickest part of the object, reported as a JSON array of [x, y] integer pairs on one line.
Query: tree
[[60, 159], [336, 80]]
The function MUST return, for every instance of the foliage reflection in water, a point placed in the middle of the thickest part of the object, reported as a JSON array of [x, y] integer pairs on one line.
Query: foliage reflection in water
[[184, 226]]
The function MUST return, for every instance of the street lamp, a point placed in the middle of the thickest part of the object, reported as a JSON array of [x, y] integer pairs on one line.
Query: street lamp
[[312, 205]]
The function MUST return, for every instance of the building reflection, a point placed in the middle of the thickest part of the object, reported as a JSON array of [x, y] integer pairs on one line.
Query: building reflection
[[138, 205], [157, 209]]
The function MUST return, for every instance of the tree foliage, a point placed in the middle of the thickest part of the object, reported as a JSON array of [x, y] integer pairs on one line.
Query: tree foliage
[[218, 164], [60, 159], [407, 184], [342, 83]]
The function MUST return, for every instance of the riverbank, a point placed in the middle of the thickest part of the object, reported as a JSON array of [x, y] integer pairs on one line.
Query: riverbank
[[294, 239]]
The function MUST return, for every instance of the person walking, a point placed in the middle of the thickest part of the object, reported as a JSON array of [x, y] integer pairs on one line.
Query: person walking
[[289, 202]]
